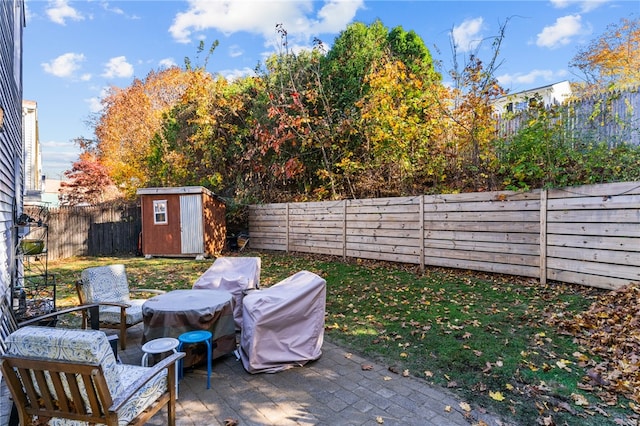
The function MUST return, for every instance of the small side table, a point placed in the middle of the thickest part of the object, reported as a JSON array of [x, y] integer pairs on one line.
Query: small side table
[[158, 346], [198, 336]]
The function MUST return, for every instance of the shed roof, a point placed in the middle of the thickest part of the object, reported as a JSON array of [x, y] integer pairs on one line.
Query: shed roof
[[175, 190]]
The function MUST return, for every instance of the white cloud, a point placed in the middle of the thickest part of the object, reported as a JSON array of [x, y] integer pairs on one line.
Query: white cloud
[[167, 63], [467, 35], [560, 33], [235, 51], [298, 18], [584, 5], [95, 102], [237, 73], [531, 79], [64, 65], [118, 67], [60, 10]]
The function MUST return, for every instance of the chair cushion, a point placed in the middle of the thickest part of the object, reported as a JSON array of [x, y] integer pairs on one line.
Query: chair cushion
[[91, 346], [105, 284], [111, 314]]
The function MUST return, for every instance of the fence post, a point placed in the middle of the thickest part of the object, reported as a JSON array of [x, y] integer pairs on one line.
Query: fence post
[[543, 236], [344, 230], [287, 227], [422, 248]]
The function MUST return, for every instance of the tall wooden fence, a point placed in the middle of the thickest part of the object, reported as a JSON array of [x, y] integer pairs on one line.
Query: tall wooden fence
[[93, 231], [586, 235], [611, 116]]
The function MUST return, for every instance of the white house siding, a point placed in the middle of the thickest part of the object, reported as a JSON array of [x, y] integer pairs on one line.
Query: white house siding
[[12, 22], [553, 94], [32, 154]]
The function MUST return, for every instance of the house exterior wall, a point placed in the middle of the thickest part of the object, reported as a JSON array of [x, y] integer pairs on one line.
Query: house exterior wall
[[32, 154], [12, 21], [556, 93]]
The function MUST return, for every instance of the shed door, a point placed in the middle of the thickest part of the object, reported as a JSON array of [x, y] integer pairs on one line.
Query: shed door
[[191, 232]]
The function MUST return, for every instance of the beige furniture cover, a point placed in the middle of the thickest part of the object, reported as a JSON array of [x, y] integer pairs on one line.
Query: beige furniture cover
[[235, 275], [179, 311], [283, 325]]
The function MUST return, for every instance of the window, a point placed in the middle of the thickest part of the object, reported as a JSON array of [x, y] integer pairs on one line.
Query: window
[[159, 212]]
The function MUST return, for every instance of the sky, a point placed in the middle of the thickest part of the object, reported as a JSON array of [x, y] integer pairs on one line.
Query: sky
[[74, 50]]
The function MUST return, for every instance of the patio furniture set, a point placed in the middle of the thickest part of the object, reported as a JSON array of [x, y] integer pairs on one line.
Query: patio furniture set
[[71, 374]]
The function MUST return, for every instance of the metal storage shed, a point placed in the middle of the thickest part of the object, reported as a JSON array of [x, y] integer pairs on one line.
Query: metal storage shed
[[182, 221]]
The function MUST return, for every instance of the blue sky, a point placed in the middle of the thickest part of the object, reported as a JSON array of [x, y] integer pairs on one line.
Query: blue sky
[[74, 50]]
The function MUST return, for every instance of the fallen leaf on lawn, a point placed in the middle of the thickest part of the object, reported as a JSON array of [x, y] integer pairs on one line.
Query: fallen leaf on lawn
[[547, 421], [579, 399], [465, 406], [404, 354], [496, 395], [499, 364], [452, 384], [379, 420], [509, 386], [366, 367], [428, 373], [477, 353]]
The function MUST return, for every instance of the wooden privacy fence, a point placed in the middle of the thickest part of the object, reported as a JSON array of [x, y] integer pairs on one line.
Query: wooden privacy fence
[[587, 235], [93, 231]]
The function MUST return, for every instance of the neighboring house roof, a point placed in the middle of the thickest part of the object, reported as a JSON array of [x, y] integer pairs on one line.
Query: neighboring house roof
[[551, 94]]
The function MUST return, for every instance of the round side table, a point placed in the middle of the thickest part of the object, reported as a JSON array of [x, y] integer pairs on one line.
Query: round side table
[[159, 346]]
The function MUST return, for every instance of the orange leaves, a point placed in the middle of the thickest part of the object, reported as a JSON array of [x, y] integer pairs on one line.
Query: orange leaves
[[609, 328]]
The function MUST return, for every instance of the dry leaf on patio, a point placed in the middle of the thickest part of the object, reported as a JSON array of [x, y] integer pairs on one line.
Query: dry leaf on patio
[[465, 406], [379, 420], [348, 355], [366, 367], [230, 422]]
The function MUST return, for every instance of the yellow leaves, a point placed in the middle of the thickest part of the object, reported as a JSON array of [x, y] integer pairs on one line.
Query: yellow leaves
[[465, 406], [497, 396]]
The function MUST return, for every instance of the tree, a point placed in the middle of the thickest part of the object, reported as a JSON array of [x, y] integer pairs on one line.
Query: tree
[[470, 147], [612, 60], [401, 123], [129, 120], [89, 181]]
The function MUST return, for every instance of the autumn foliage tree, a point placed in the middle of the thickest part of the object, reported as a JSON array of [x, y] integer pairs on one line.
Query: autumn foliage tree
[[129, 120], [88, 181], [611, 60]]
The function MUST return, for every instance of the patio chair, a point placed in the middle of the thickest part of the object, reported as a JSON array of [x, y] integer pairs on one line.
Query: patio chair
[[237, 275], [283, 325], [56, 373], [109, 286]]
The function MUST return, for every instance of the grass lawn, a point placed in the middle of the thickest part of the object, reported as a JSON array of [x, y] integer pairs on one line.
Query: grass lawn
[[486, 337]]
